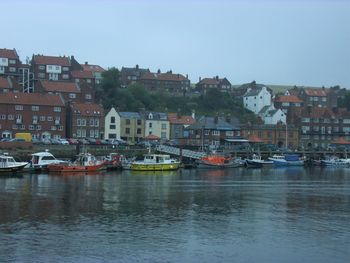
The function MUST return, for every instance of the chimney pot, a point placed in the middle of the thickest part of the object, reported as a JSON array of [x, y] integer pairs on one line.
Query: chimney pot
[[86, 63]]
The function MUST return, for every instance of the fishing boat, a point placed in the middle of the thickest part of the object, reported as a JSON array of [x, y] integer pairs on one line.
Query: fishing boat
[[155, 162], [257, 162], [215, 161], [113, 161], [85, 162], [41, 160], [9, 165], [287, 160], [335, 161]]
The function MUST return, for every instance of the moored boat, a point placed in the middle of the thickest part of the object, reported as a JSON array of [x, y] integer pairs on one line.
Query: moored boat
[[287, 160], [85, 163], [216, 161], [257, 162], [155, 162], [114, 161], [335, 161], [9, 165], [41, 160]]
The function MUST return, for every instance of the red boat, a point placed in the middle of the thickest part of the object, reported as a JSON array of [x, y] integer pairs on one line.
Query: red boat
[[84, 163], [113, 161], [216, 161]]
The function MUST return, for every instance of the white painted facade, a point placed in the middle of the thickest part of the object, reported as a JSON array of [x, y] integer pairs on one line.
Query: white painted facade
[[157, 127], [112, 125], [278, 116], [257, 101]]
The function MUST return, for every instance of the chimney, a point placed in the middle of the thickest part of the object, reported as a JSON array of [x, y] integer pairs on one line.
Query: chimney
[[217, 77], [86, 63], [158, 71], [137, 66], [228, 118], [200, 79], [170, 71], [178, 76], [216, 119], [186, 76]]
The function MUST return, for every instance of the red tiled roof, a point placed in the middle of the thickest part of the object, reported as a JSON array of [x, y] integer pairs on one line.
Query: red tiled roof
[[210, 81], [87, 109], [316, 92], [8, 53], [255, 139], [175, 119], [56, 86], [290, 98], [79, 74], [31, 99], [92, 68], [163, 76], [51, 60], [4, 84]]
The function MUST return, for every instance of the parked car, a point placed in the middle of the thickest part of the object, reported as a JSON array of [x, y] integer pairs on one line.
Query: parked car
[[63, 141], [73, 141], [36, 141], [17, 140], [5, 139], [46, 141]]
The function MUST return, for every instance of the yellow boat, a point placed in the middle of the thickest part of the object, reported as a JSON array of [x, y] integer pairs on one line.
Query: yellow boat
[[155, 162]]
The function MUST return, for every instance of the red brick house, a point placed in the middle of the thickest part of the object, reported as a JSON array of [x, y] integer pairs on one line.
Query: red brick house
[[213, 83], [286, 102], [42, 115], [82, 76], [96, 71], [69, 91], [165, 81], [314, 97], [131, 75], [85, 120], [9, 62]]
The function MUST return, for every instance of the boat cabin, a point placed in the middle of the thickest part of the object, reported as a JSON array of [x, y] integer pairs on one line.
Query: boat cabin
[[6, 160], [157, 158]]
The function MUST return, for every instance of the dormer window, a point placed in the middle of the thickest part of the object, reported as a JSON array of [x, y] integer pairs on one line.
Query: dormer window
[[150, 116]]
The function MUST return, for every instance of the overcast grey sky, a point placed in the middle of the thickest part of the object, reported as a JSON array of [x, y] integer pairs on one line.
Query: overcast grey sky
[[272, 42]]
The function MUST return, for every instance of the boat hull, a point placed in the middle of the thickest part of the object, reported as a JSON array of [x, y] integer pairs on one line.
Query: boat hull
[[258, 164], [154, 166], [56, 168], [208, 165], [13, 169]]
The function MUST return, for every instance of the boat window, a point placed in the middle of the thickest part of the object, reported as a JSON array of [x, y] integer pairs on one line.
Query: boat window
[[48, 158]]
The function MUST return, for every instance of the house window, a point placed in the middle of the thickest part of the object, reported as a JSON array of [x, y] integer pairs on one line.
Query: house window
[[216, 133], [38, 127], [31, 127], [112, 119], [112, 127], [53, 76], [19, 107], [138, 131], [96, 133], [12, 69], [72, 95], [60, 128], [64, 68], [53, 128], [305, 120], [35, 108], [12, 61], [3, 117], [88, 81], [10, 117], [78, 122], [83, 133], [163, 135], [150, 125], [229, 133], [163, 126], [206, 132], [78, 133], [324, 99], [346, 121], [127, 121], [41, 75], [57, 109], [83, 123], [14, 127], [336, 129], [97, 122], [138, 122], [91, 122], [88, 96], [49, 118], [2, 69], [41, 67], [316, 120], [92, 133], [127, 130], [65, 76]]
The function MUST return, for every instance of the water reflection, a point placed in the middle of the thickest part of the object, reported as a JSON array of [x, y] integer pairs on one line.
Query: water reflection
[[207, 215]]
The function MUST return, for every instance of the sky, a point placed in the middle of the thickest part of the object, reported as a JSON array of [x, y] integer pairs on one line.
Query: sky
[[303, 43]]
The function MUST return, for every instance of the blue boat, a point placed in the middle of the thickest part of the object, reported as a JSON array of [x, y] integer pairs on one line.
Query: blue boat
[[287, 160]]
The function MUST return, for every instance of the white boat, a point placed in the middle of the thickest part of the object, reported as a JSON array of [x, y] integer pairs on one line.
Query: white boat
[[155, 162], [287, 160], [335, 161], [9, 165], [41, 160], [256, 161]]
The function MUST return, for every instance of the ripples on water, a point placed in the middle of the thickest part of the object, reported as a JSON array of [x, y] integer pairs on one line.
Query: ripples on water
[[237, 215]]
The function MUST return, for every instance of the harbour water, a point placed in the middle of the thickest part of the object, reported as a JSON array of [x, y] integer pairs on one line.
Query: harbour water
[[236, 215]]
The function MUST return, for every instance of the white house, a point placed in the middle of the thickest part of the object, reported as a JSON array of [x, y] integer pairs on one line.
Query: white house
[[157, 123], [112, 125], [270, 115], [257, 98]]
